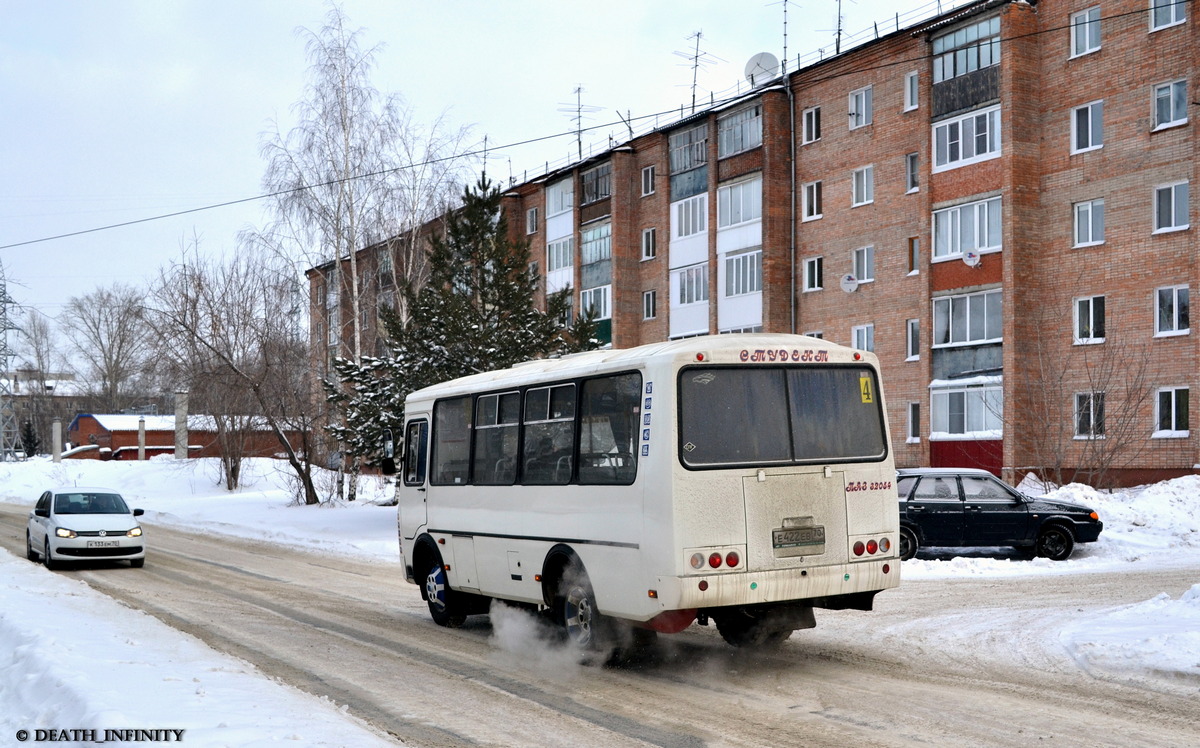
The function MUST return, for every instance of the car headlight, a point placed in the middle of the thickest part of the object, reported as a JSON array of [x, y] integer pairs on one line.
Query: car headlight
[[134, 533], [62, 532]]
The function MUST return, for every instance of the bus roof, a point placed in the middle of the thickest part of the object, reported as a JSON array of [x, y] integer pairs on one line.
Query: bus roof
[[616, 359]]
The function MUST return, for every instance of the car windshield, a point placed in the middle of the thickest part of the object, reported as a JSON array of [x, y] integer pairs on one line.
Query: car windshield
[[89, 503]]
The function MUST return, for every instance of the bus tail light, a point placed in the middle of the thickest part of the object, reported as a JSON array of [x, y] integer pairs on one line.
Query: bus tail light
[[714, 560], [885, 545], [859, 548], [872, 546], [732, 559], [697, 561]]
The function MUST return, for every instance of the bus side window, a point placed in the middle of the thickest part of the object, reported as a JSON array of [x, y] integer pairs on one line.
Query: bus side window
[[415, 445], [610, 409], [549, 435], [451, 441]]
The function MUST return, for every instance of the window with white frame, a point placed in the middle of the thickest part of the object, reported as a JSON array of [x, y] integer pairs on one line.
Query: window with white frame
[[560, 197], [596, 183], [688, 149], [861, 108], [968, 319], [914, 255], [1170, 104], [911, 173], [1085, 31], [649, 243], [967, 412], [739, 203], [966, 50], [811, 125], [1089, 223], [1171, 413], [692, 283], [1087, 127], [912, 340], [1171, 207], [864, 264], [1172, 310], [1164, 13], [967, 139], [811, 199], [560, 254], [596, 299], [647, 180], [815, 334], [862, 337], [531, 222], [649, 304], [739, 131], [972, 227], [1089, 415], [914, 423], [689, 217], [911, 90], [814, 274], [1089, 320], [595, 243], [862, 186], [743, 273]]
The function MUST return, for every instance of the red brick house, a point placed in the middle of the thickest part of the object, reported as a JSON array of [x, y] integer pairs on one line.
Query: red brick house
[[115, 437]]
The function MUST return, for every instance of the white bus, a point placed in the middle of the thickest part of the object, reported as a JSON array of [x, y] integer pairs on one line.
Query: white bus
[[738, 479]]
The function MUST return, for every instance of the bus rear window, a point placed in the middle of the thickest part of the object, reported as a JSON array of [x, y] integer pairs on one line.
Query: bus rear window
[[778, 415]]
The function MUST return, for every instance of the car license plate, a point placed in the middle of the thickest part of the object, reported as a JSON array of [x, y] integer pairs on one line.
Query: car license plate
[[798, 537], [103, 543]]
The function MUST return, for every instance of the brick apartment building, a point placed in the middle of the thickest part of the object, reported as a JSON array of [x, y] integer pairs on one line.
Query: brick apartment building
[[996, 201]]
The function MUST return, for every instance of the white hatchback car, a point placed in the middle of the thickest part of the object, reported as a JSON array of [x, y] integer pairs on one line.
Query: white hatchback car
[[82, 524]]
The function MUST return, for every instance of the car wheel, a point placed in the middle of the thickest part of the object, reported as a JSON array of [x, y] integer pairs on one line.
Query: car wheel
[[908, 544], [137, 563], [1055, 543], [444, 607], [47, 559], [29, 552]]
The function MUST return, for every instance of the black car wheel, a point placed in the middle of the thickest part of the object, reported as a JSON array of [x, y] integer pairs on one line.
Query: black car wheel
[[47, 559], [29, 552], [908, 544], [1055, 543]]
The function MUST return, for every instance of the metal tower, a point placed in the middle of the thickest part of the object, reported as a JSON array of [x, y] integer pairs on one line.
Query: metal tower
[[9, 436]]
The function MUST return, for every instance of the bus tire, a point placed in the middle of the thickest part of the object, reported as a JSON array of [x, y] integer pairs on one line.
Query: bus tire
[[764, 629], [444, 606], [908, 543], [581, 621]]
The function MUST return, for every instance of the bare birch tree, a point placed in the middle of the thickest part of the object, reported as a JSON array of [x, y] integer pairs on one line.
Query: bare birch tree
[[107, 332]]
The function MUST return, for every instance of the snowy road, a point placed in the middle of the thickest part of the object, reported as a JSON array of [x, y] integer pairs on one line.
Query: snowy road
[[940, 662]]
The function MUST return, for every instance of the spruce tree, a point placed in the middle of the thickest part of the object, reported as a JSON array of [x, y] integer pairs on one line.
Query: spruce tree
[[30, 443]]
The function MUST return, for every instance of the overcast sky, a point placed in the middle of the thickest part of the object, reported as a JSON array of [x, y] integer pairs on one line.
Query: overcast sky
[[121, 110]]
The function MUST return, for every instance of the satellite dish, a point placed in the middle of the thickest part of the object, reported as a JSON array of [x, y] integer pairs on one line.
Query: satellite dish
[[761, 68], [971, 259], [849, 283]]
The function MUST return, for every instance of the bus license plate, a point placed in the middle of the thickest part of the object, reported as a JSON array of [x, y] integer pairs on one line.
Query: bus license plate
[[798, 537], [103, 543]]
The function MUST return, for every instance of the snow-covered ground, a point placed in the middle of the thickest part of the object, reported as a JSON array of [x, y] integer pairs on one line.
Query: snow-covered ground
[[71, 657]]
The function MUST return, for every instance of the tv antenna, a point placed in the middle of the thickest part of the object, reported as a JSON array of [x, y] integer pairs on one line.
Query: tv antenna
[[579, 112], [697, 59]]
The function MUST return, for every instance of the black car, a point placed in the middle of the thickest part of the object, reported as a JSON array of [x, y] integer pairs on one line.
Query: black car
[[960, 507]]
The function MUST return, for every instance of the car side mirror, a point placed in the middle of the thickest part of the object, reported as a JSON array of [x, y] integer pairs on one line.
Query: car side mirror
[[42, 512], [138, 512]]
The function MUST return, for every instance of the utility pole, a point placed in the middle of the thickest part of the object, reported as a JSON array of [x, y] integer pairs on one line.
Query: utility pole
[[8, 414]]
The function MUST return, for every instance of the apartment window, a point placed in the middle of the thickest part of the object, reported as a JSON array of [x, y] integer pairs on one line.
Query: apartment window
[[1170, 104], [689, 149], [649, 243], [690, 217], [1087, 127], [597, 183], [814, 274], [968, 49], [811, 197], [595, 243], [911, 90], [649, 304], [965, 140], [1089, 415], [911, 180], [531, 221], [976, 412], [739, 203], [862, 186], [387, 276], [973, 227], [863, 337], [1171, 413], [596, 299], [1171, 207], [1089, 223], [912, 340], [914, 255], [692, 284], [739, 131], [811, 129], [815, 334], [647, 180], [334, 325], [861, 108], [743, 273], [1171, 311], [560, 197], [1089, 320], [864, 264], [1085, 31], [968, 319], [560, 254], [1164, 13], [914, 423]]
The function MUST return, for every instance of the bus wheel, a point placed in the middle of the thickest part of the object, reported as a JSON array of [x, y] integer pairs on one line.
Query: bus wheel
[[581, 621], [444, 607], [908, 544], [743, 628]]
